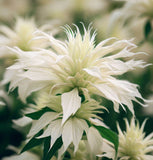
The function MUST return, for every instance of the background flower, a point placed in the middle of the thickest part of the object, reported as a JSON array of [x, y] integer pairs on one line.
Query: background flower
[[133, 144]]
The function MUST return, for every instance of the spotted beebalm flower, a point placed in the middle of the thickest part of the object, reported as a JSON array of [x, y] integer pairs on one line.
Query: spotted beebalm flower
[[80, 140], [133, 145], [21, 36], [72, 129], [17, 36], [77, 67]]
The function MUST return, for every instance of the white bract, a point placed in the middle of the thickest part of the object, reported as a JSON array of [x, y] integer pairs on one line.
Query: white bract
[[75, 68]]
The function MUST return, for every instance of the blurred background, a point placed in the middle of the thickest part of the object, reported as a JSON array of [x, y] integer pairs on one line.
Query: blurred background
[[110, 18]]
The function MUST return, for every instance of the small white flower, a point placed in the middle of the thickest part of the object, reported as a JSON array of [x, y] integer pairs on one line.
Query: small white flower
[[71, 129], [22, 36], [77, 67], [133, 145]]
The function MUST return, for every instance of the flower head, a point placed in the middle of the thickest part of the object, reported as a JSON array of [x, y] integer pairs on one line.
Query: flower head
[[133, 145], [21, 36], [77, 67], [71, 129]]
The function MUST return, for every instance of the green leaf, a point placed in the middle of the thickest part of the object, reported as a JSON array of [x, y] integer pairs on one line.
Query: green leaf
[[33, 142], [109, 135], [36, 115], [47, 145], [54, 148], [147, 29]]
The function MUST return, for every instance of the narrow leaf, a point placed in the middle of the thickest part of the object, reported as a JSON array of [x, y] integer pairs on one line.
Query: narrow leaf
[[46, 145], [147, 29], [36, 115], [109, 135], [54, 148]]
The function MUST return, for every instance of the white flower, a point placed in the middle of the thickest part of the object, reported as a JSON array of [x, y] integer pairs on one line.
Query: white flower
[[21, 35], [71, 130], [77, 67], [133, 145]]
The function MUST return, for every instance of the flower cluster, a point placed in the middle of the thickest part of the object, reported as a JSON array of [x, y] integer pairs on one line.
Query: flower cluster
[[66, 76], [70, 89]]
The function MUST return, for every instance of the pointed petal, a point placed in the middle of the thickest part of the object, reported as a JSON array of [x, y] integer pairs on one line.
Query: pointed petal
[[95, 141], [44, 120], [54, 130], [72, 132], [79, 126], [67, 134], [26, 87], [71, 102], [107, 92], [95, 72]]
